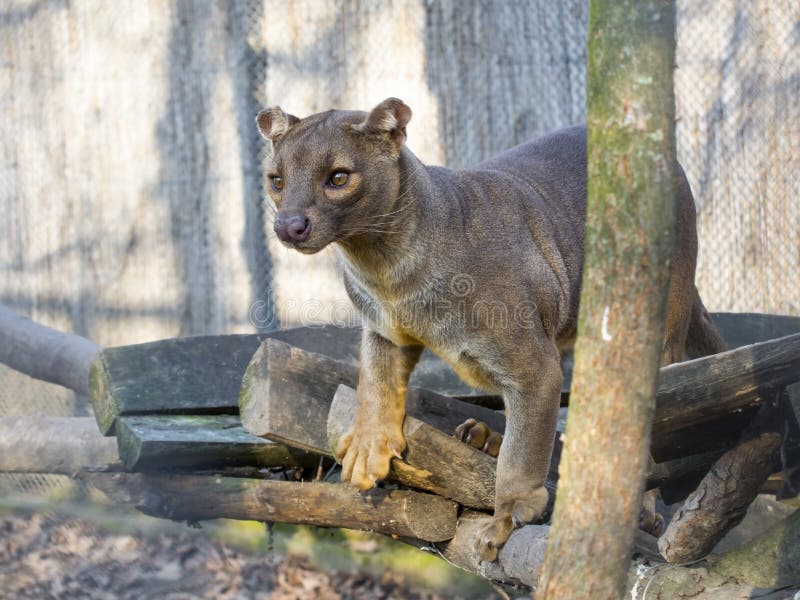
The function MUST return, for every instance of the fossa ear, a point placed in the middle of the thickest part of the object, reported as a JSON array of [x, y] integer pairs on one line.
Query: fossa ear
[[273, 123], [389, 120]]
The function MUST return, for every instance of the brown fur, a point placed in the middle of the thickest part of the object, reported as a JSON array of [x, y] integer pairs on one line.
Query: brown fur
[[482, 266]]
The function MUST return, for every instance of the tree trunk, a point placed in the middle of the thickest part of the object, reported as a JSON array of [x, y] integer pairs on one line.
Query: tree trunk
[[629, 238]]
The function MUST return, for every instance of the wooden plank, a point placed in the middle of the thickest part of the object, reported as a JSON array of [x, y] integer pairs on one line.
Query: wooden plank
[[286, 394], [201, 441], [194, 375], [197, 498], [737, 329]]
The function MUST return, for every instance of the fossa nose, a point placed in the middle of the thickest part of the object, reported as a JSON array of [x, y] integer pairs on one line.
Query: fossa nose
[[293, 229]]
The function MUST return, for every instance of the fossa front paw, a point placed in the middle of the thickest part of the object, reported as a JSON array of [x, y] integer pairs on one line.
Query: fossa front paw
[[365, 454], [509, 515]]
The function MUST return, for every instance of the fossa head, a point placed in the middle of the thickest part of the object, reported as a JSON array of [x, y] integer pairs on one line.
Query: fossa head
[[334, 175]]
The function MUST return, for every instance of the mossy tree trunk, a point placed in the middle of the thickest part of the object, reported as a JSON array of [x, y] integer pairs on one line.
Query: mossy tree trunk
[[629, 239]]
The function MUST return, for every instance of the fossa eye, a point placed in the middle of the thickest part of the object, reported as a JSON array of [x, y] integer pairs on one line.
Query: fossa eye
[[339, 179], [277, 183]]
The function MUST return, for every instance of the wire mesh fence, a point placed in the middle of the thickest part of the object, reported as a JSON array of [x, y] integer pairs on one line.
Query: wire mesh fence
[[130, 170]]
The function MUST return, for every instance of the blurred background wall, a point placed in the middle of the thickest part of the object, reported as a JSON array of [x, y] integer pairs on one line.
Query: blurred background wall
[[130, 169]]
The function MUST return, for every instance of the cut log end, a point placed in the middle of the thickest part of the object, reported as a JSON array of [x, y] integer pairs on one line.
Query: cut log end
[[102, 397]]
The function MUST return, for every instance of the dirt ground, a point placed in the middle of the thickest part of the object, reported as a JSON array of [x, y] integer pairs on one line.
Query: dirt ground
[[51, 556]]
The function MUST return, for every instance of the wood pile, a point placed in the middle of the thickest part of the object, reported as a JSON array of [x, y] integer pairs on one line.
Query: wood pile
[[242, 427]]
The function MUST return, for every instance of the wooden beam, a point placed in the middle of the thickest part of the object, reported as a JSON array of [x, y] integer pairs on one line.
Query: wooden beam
[[197, 498], [64, 445], [156, 442], [44, 353], [195, 375]]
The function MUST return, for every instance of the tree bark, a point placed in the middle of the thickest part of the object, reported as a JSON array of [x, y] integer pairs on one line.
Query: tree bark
[[629, 239], [45, 353]]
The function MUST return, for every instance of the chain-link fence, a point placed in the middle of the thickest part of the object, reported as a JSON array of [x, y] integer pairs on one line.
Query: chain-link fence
[[130, 169]]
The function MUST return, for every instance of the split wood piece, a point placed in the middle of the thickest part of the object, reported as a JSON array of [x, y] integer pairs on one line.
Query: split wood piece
[[197, 498], [286, 394], [707, 388], [720, 501], [433, 461], [678, 468], [194, 375], [199, 441], [44, 353], [61, 445]]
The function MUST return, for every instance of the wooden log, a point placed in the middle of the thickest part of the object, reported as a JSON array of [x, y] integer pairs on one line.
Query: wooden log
[[737, 329], [44, 353], [719, 434], [195, 375], [434, 461], [178, 441], [707, 388], [519, 563], [286, 394], [63, 445], [197, 498], [721, 500]]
